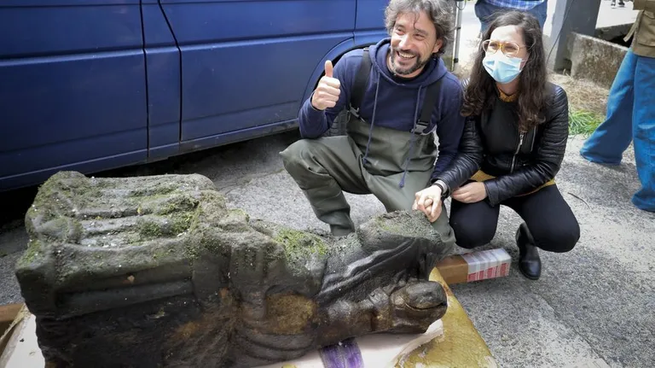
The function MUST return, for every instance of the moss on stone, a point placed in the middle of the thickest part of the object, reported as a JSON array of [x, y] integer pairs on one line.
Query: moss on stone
[[212, 206], [83, 188], [192, 251], [62, 229], [172, 224], [299, 244], [236, 221], [133, 238], [177, 203], [181, 222], [34, 249], [161, 253], [240, 213], [149, 229], [404, 224], [155, 190], [290, 314]]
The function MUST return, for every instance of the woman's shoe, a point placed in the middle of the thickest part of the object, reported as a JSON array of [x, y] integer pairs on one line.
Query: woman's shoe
[[529, 261]]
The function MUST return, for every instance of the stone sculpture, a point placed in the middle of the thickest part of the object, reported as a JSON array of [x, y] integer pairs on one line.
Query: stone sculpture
[[158, 272]]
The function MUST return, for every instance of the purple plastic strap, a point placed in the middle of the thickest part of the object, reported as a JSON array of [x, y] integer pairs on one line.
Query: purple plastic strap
[[343, 355], [353, 354]]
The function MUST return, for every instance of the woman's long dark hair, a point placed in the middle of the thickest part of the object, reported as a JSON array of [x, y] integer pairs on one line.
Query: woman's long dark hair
[[481, 91]]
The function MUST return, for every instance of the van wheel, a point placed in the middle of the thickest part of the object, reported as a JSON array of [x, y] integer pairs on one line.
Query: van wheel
[[338, 126]]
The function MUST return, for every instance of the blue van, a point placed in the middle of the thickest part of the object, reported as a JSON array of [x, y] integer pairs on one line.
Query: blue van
[[91, 85]]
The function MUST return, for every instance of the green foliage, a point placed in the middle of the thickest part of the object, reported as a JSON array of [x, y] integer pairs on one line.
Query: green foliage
[[583, 122]]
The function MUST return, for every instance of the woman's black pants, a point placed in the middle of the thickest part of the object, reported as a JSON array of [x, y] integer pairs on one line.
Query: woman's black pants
[[547, 215]]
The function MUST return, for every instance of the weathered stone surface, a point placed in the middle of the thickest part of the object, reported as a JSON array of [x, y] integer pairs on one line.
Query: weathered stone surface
[[157, 272], [595, 60]]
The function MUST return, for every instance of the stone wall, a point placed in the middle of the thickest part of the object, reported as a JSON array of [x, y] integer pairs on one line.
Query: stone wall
[[595, 60]]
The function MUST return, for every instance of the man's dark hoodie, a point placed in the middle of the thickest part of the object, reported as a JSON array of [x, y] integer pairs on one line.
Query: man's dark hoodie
[[394, 102]]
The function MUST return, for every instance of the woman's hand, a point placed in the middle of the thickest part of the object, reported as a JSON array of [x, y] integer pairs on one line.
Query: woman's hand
[[470, 193], [428, 201]]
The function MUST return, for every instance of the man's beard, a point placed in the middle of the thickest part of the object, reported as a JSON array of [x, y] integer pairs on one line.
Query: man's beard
[[418, 63]]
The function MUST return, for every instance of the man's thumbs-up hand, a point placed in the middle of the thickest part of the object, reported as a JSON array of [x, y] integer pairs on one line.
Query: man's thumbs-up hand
[[328, 89]]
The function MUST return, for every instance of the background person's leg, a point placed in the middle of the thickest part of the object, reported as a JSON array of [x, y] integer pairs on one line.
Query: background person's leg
[[541, 13], [485, 12], [644, 132], [608, 142]]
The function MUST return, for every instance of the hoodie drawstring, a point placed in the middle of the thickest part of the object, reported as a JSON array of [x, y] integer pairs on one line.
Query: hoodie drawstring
[[370, 132], [412, 141]]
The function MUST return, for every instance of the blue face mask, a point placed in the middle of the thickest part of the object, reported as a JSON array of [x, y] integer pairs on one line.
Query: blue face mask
[[502, 68]]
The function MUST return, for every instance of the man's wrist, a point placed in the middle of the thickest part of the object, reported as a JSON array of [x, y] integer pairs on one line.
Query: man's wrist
[[311, 103]]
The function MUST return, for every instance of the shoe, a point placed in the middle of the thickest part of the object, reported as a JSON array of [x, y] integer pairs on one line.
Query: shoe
[[529, 261], [599, 160]]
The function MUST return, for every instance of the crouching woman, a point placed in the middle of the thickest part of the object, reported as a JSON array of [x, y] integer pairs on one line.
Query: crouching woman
[[513, 145]]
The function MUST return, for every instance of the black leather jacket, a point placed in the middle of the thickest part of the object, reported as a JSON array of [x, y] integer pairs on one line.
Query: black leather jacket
[[520, 163]]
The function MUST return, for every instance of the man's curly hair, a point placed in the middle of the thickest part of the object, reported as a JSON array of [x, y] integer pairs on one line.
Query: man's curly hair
[[439, 12]]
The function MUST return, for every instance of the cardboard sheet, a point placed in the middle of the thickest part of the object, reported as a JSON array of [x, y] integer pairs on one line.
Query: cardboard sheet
[[377, 351], [22, 348]]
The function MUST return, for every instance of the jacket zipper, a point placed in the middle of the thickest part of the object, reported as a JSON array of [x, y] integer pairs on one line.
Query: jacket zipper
[[518, 148]]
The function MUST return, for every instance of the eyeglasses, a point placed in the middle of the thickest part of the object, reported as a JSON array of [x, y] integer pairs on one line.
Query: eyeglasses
[[508, 48]]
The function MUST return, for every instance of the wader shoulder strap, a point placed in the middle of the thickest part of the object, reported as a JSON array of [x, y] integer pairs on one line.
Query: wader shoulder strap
[[361, 81], [429, 100]]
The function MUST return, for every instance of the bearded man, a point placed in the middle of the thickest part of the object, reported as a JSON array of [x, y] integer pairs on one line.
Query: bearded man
[[403, 127]]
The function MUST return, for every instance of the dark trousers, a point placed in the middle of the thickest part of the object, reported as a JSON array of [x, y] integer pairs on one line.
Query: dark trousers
[[547, 215]]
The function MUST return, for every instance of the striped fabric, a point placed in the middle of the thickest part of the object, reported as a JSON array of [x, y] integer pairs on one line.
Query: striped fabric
[[515, 4]]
